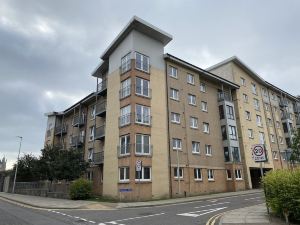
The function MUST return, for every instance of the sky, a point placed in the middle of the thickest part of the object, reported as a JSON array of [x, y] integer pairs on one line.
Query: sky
[[48, 50]]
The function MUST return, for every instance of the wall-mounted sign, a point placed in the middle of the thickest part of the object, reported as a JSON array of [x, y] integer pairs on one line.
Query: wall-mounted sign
[[259, 153]]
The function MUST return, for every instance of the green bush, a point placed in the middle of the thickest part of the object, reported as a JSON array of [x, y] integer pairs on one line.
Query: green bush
[[80, 189], [282, 189]]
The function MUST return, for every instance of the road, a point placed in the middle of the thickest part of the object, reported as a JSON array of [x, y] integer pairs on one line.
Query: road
[[189, 213]]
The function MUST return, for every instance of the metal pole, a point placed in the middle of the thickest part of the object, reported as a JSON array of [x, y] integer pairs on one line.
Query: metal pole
[[178, 177], [13, 190]]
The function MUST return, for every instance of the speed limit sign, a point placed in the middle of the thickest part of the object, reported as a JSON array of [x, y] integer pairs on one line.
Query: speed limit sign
[[259, 153]]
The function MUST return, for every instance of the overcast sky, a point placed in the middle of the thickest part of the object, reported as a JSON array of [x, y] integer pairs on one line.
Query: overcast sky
[[48, 49]]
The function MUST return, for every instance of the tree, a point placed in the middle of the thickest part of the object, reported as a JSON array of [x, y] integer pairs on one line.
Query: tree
[[295, 156]]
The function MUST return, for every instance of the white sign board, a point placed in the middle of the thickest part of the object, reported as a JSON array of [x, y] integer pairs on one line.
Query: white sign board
[[259, 153], [138, 165]]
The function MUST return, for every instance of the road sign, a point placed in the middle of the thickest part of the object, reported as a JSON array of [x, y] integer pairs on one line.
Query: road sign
[[125, 190], [138, 165], [259, 153]]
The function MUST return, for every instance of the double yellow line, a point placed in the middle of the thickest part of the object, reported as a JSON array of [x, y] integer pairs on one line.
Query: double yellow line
[[212, 220]]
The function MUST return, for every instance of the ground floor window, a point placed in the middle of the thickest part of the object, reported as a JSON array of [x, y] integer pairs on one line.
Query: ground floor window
[[197, 174], [176, 170], [210, 174], [238, 174], [144, 174], [229, 175], [124, 174]]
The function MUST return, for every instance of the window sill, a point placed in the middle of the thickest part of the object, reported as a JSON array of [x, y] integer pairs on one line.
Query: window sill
[[175, 122], [229, 179], [191, 83], [143, 124], [123, 97], [191, 104], [181, 179], [124, 182], [208, 155], [123, 72], [211, 180], [173, 77], [198, 180], [174, 99], [124, 155], [206, 111], [194, 128], [144, 71], [196, 153], [143, 155], [239, 179], [177, 149], [137, 181], [143, 96], [205, 132]]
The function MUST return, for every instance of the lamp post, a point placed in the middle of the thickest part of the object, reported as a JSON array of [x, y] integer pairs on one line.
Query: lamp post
[[13, 190]]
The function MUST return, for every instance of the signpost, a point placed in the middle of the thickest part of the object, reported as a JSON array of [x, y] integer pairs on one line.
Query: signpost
[[138, 168], [259, 155]]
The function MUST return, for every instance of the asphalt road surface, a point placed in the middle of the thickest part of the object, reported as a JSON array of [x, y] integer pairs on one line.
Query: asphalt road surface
[[189, 213]]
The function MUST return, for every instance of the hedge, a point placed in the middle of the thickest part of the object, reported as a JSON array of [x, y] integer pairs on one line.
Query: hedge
[[282, 190], [80, 189]]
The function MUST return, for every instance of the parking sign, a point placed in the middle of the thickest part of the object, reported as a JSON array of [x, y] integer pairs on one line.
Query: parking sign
[[138, 165]]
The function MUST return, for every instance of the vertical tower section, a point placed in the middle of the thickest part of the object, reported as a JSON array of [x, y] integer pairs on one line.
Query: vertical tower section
[[136, 113]]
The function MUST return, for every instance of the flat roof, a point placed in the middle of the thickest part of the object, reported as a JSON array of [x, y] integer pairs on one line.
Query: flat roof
[[142, 26]]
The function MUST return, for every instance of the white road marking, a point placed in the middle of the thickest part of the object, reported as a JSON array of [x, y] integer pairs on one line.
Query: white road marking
[[247, 199], [220, 203], [74, 217], [212, 200], [201, 212]]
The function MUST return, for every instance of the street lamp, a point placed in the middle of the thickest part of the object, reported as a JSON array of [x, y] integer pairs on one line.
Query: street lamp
[[13, 190]]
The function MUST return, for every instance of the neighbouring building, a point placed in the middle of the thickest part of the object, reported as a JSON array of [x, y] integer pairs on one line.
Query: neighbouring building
[[186, 127], [3, 164]]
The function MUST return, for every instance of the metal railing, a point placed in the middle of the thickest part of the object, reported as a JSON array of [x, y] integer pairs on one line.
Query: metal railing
[[143, 149], [283, 102], [224, 96], [143, 119], [125, 92], [98, 157], [124, 150], [60, 129], [76, 141], [78, 120], [135, 118], [125, 120], [144, 92], [285, 116], [100, 108], [100, 132], [101, 86]]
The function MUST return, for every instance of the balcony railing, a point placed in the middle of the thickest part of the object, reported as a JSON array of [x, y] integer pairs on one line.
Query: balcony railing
[[285, 116], [61, 129], [125, 150], [224, 96], [98, 158], [137, 149], [102, 86], [76, 141], [144, 92], [125, 92], [100, 132], [298, 120], [100, 108], [78, 120], [283, 102], [143, 149], [135, 118], [297, 108]]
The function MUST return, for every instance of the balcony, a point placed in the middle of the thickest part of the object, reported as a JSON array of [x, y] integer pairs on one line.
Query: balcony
[[100, 133], [298, 121], [125, 150], [78, 120], [76, 141], [224, 96], [102, 87], [98, 158], [283, 102], [60, 129], [285, 116], [100, 108], [139, 119]]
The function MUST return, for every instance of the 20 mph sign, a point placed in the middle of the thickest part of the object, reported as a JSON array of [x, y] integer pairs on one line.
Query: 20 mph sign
[[259, 153]]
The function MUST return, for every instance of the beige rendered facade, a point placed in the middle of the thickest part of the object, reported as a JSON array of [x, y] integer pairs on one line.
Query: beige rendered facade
[[159, 127]]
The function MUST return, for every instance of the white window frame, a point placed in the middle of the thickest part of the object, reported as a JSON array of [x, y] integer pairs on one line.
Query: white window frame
[[259, 120], [256, 104], [208, 150], [206, 128], [248, 115], [126, 63], [232, 132], [143, 57], [190, 78], [198, 173], [272, 137], [173, 72], [210, 175], [230, 112], [243, 82], [202, 87], [174, 94], [175, 117], [204, 106], [91, 133], [229, 178], [93, 112], [127, 145], [275, 154], [192, 99], [261, 136], [142, 144], [145, 118], [143, 174], [176, 144], [125, 90], [193, 122], [246, 98], [142, 87], [195, 147], [125, 115], [181, 171], [124, 170], [254, 88], [90, 154], [250, 133], [238, 174]]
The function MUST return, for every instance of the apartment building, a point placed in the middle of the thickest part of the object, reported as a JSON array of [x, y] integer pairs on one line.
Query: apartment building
[[266, 115], [157, 126]]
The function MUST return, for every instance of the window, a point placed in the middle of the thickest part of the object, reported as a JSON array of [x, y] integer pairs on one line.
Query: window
[[193, 122], [125, 145], [245, 97], [261, 137], [202, 87], [142, 87], [206, 128], [229, 175], [277, 124], [173, 72], [90, 154], [208, 150], [243, 81], [229, 111], [226, 154], [254, 91], [224, 132], [258, 120], [210, 174], [196, 147], [250, 133], [267, 107], [256, 104], [124, 174], [142, 145], [125, 88], [190, 79], [93, 112], [204, 106], [197, 174], [125, 115], [142, 114], [221, 112], [232, 132], [235, 154], [176, 143], [90, 175], [142, 62], [272, 137], [174, 94], [238, 174], [192, 99], [126, 63], [92, 132], [175, 117], [176, 170], [269, 121], [275, 155], [280, 140], [248, 115], [144, 174]]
